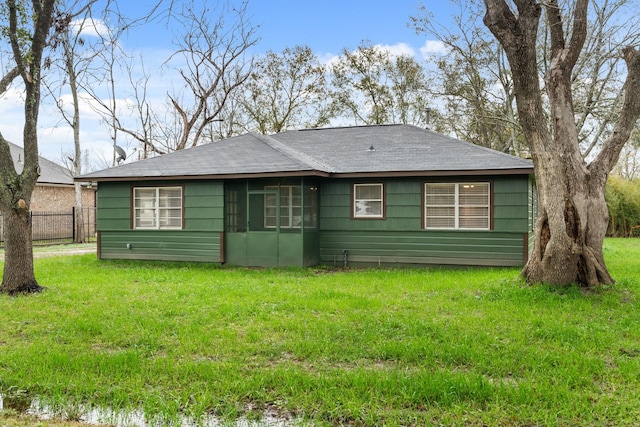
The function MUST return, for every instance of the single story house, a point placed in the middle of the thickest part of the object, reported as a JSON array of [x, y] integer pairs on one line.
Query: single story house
[[361, 195]]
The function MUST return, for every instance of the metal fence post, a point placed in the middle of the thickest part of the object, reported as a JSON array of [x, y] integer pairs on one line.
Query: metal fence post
[[73, 223]]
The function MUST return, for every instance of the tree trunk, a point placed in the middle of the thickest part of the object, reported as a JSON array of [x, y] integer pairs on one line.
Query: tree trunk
[[79, 220], [16, 189], [573, 216], [570, 229], [18, 276]]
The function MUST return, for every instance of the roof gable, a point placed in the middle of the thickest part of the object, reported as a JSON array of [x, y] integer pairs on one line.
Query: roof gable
[[50, 172]]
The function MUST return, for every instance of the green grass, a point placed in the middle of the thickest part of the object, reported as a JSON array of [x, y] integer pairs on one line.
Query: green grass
[[465, 347]]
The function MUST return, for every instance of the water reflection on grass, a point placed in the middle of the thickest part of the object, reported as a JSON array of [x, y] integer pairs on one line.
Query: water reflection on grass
[[21, 402]]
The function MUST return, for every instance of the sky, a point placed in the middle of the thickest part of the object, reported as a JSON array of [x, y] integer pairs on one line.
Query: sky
[[327, 27]]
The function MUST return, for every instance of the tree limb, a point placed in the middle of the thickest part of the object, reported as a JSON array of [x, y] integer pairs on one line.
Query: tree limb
[[8, 79], [629, 114]]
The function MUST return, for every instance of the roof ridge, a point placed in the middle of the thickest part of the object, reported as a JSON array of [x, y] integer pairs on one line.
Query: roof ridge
[[292, 153], [346, 127]]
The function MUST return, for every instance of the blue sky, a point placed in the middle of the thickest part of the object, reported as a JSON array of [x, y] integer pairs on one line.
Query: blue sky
[[326, 26]]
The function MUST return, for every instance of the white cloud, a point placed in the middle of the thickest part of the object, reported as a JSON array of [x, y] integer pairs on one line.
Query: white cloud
[[90, 27], [399, 49], [431, 47], [396, 50]]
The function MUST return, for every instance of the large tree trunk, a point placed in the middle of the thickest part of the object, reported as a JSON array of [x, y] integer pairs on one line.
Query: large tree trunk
[[570, 229], [18, 275], [16, 188], [573, 215]]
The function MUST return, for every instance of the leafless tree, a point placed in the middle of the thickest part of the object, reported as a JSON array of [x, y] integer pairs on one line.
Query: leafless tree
[[74, 64], [212, 63], [473, 86]]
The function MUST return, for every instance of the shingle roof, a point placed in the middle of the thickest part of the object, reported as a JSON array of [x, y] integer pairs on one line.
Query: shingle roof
[[382, 149], [50, 172]]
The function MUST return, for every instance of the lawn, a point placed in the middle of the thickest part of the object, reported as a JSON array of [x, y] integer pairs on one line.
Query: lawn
[[468, 347]]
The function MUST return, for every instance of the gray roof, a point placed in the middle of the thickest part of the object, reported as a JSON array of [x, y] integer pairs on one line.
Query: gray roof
[[345, 151], [50, 172]]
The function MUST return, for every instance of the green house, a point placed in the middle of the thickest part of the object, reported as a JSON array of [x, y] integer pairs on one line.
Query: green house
[[363, 195]]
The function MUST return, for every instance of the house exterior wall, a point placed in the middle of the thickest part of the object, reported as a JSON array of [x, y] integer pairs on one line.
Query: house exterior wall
[[399, 238], [199, 240], [59, 198]]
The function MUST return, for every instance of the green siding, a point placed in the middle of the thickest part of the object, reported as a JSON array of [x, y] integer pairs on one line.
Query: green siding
[[164, 245], [433, 247], [532, 212], [198, 241], [400, 238], [510, 204]]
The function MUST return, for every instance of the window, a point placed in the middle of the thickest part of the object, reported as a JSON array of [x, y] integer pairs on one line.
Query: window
[[157, 208], [368, 201], [290, 207], [457, 205]]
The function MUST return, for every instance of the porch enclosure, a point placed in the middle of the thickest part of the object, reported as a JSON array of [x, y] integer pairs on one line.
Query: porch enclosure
[[271, 223]]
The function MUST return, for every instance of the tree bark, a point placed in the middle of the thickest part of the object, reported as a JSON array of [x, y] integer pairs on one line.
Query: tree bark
[[573, 215], [15, 189], [18, 276]]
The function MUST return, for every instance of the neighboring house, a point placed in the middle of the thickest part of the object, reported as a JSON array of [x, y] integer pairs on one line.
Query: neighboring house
[[367, 195], [54, 191]]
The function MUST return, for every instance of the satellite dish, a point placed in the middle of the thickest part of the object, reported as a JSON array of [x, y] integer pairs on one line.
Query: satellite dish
[[121, 155]]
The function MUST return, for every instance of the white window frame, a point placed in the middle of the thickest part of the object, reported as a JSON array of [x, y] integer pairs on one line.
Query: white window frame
[[457, 205], [150, 208], [355, 201], [286, 192]]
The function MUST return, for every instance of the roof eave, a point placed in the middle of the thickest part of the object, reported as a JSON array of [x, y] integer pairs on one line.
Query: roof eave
[[203, 177], [391, 174], [471, 172]]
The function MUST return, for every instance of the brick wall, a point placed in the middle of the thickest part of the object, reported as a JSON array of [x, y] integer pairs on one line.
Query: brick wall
[[51, 198]]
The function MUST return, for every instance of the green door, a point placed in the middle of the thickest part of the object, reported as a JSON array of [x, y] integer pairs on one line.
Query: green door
[[262, 228]]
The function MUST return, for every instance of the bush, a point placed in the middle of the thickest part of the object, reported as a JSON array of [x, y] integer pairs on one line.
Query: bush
[[623, 200]]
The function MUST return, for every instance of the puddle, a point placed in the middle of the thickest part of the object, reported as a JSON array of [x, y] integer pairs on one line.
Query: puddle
[[21, 402]]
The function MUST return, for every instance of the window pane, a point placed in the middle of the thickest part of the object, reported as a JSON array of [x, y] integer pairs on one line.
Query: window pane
[[474, 222], [368, 208], [310, 206], [438, 222], [145, 219], [171, 218], [469, 202], [144, 197], [474, 211], [441, 211], [474, 194], [373, 191], [156, 207], [440, 194], [368, 200], [285, 219]]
